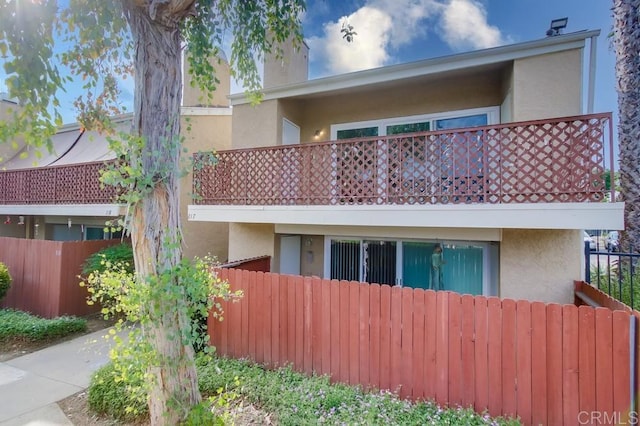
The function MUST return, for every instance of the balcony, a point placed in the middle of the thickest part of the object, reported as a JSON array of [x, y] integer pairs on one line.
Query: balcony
[[72, 184], [545, 161]]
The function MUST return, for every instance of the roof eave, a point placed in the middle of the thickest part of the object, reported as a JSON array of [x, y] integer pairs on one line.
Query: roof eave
[[426, 67]]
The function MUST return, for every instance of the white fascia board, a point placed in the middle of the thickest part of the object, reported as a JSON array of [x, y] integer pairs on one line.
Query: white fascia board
[[209, 111], [515, 216], [84, 210], [426, 67]]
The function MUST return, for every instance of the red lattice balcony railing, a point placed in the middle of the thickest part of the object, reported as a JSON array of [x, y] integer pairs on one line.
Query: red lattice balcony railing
[[72, 184], [557, 160]]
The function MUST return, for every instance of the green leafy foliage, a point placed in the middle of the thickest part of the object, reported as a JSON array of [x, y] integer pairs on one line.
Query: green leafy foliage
[[619, 280], [127, 297], [102, 40], [24, 326], [119, 253], [202, 414], [295, 399], [109, 395], [5, 280]]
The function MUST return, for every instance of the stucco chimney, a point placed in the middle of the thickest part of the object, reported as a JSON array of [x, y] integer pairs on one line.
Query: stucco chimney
[[292, 67], [193, 96]]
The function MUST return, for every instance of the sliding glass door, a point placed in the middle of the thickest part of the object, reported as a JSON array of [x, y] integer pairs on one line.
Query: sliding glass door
[[460, 267]]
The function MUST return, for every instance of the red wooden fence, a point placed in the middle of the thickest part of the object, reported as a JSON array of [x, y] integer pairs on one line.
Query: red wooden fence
[[548, 364], [45, 275]]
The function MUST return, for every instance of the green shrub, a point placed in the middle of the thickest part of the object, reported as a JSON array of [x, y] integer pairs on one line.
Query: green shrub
[[123, 388], [5, 280], [110, 395], [23, 326], [620, 280], [118, 254]]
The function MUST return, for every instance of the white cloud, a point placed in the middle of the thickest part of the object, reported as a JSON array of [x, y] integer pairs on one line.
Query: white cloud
[[465, 25], [383, 26], [408, 17], [367, 50]]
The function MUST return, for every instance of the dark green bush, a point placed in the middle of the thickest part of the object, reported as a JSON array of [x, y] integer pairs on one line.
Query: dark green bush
[[5, 280], [23, 326], [117, 254]]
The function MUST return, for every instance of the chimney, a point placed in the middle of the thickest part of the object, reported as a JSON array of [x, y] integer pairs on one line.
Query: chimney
[[193, 96], [292, 67]]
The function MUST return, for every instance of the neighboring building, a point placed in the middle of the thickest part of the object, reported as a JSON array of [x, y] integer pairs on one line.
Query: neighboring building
[[57, 195], [507, 200]]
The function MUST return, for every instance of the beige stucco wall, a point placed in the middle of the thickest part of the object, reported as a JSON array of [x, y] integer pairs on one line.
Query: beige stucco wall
[[475, 91], [208, 132], [192, 96], [540, 264], [256, 125], [250, 240], [547, 86]]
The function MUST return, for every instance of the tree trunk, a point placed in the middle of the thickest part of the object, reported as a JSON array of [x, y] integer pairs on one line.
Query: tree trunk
[[626, 41], [155, 221]]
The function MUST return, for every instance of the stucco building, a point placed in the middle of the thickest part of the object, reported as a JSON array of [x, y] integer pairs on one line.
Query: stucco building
[[359, 176]]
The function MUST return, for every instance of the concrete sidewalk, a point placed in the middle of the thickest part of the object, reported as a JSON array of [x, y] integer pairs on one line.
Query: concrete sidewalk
[[31, 384]]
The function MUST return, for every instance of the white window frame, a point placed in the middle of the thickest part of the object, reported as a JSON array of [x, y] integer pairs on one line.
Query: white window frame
[[493, 117], [488, 288]]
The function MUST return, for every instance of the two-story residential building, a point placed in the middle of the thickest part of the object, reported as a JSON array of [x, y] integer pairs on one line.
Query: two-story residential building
[[57, 195], [475, 172]]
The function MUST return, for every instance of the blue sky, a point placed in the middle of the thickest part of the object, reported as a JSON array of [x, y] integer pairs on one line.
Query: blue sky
[[396, 31]]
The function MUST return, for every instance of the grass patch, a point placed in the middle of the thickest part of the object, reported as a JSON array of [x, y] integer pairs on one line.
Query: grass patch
[[291, 398], [18, 325], [296, 399]]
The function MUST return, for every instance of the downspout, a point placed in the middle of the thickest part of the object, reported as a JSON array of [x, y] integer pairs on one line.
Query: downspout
[[592, 74]]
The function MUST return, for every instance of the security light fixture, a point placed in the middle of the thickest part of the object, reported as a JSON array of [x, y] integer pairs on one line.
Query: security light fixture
[[557, 25]]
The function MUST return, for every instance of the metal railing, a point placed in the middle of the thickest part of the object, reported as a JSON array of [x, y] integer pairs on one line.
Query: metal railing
[[555, 160], [615, 273]]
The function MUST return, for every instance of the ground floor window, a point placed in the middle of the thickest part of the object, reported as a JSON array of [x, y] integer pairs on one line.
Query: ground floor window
[[464, 267]]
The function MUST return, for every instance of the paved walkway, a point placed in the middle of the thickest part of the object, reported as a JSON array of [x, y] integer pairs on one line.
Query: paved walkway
[[31, 384]]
